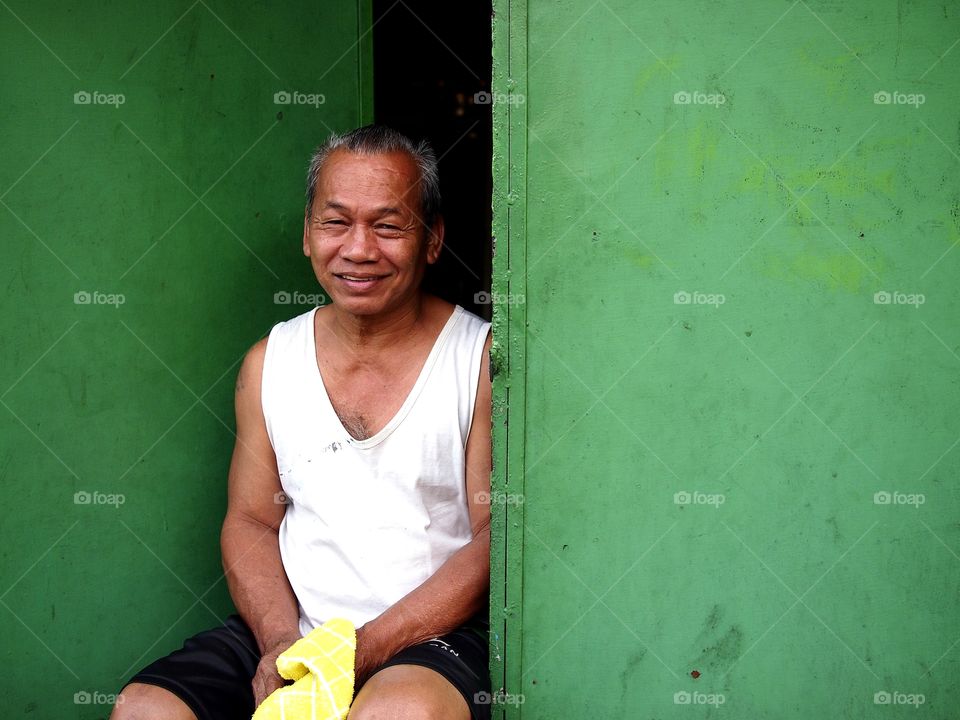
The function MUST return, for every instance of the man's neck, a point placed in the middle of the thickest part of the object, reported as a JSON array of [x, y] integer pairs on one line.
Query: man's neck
[[372, 333]]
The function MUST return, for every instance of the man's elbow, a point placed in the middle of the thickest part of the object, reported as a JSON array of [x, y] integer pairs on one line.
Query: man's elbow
[[237, 529], [481, 530]]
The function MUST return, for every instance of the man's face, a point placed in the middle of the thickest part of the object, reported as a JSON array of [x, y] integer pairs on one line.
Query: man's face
[[364, 236]]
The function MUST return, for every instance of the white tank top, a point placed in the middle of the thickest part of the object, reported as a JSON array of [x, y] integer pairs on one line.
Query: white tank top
[[367, 521]]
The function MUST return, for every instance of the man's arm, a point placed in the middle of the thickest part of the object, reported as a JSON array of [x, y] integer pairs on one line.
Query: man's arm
[[249, 539], [458, 589]]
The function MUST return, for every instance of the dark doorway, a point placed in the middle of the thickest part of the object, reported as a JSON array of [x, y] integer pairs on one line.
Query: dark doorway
[[430, 61]]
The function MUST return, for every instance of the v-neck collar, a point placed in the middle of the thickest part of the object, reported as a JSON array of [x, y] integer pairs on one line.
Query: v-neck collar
[[411, 396]]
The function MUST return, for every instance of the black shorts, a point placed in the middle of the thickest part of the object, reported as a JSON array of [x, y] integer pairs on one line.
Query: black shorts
[[213, 670]]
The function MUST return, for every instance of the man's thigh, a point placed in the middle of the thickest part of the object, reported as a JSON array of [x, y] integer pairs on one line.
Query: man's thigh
[[149, 702], [409, 692], [211, 674]]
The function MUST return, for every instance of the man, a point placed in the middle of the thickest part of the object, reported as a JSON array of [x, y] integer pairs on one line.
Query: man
[[363, 448]]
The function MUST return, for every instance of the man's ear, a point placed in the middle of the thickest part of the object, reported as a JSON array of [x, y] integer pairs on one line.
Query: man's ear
[[435, 240], [306, 234]]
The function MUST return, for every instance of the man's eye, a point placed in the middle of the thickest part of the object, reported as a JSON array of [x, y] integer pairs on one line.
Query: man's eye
[[333, 222]]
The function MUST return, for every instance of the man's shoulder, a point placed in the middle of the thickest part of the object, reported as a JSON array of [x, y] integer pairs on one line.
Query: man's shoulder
[[444, 309], [255, 355], [439, 308], [475, 322], [302, 317]]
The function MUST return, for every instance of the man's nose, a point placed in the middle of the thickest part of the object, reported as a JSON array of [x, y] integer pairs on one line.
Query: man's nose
[[361, 244]]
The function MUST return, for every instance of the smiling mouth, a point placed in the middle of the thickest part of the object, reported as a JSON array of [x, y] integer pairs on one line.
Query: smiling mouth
[[358, 278]]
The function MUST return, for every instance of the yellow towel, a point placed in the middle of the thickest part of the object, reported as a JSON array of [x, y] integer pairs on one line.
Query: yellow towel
[[321, 664]]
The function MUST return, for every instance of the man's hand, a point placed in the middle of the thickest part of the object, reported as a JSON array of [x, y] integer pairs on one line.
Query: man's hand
[[267, 679], [370, 655]]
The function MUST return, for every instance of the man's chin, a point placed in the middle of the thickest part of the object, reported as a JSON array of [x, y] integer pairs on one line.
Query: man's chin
[[361, 305]]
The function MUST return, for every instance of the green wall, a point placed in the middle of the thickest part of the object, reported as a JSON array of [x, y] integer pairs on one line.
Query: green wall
[[186, 200], [783, 392]]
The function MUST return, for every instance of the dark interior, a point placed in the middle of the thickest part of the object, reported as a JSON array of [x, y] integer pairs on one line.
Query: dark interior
[[430, 60]]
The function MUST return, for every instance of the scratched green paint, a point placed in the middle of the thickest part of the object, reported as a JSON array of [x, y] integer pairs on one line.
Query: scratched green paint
[[92, 593], [797, 399]]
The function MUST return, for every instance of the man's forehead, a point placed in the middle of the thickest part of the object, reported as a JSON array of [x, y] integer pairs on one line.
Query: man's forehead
[[385, 182], [380, 210], [390, 167]]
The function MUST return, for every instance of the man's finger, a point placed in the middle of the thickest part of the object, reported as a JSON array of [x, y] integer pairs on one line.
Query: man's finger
[[259, 689], [266, 687]]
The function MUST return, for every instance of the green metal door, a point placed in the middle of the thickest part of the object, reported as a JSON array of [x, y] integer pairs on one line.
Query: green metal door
[[152, 183], [727, 349]]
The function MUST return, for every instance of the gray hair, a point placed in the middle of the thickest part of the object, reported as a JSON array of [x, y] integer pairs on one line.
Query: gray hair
[[377, 140]]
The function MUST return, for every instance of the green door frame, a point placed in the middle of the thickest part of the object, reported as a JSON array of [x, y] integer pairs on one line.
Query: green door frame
[[509, 347]]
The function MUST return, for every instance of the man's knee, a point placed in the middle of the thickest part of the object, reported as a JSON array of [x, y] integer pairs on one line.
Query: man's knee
[[139, 701], [398, 704], [408, 692]]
